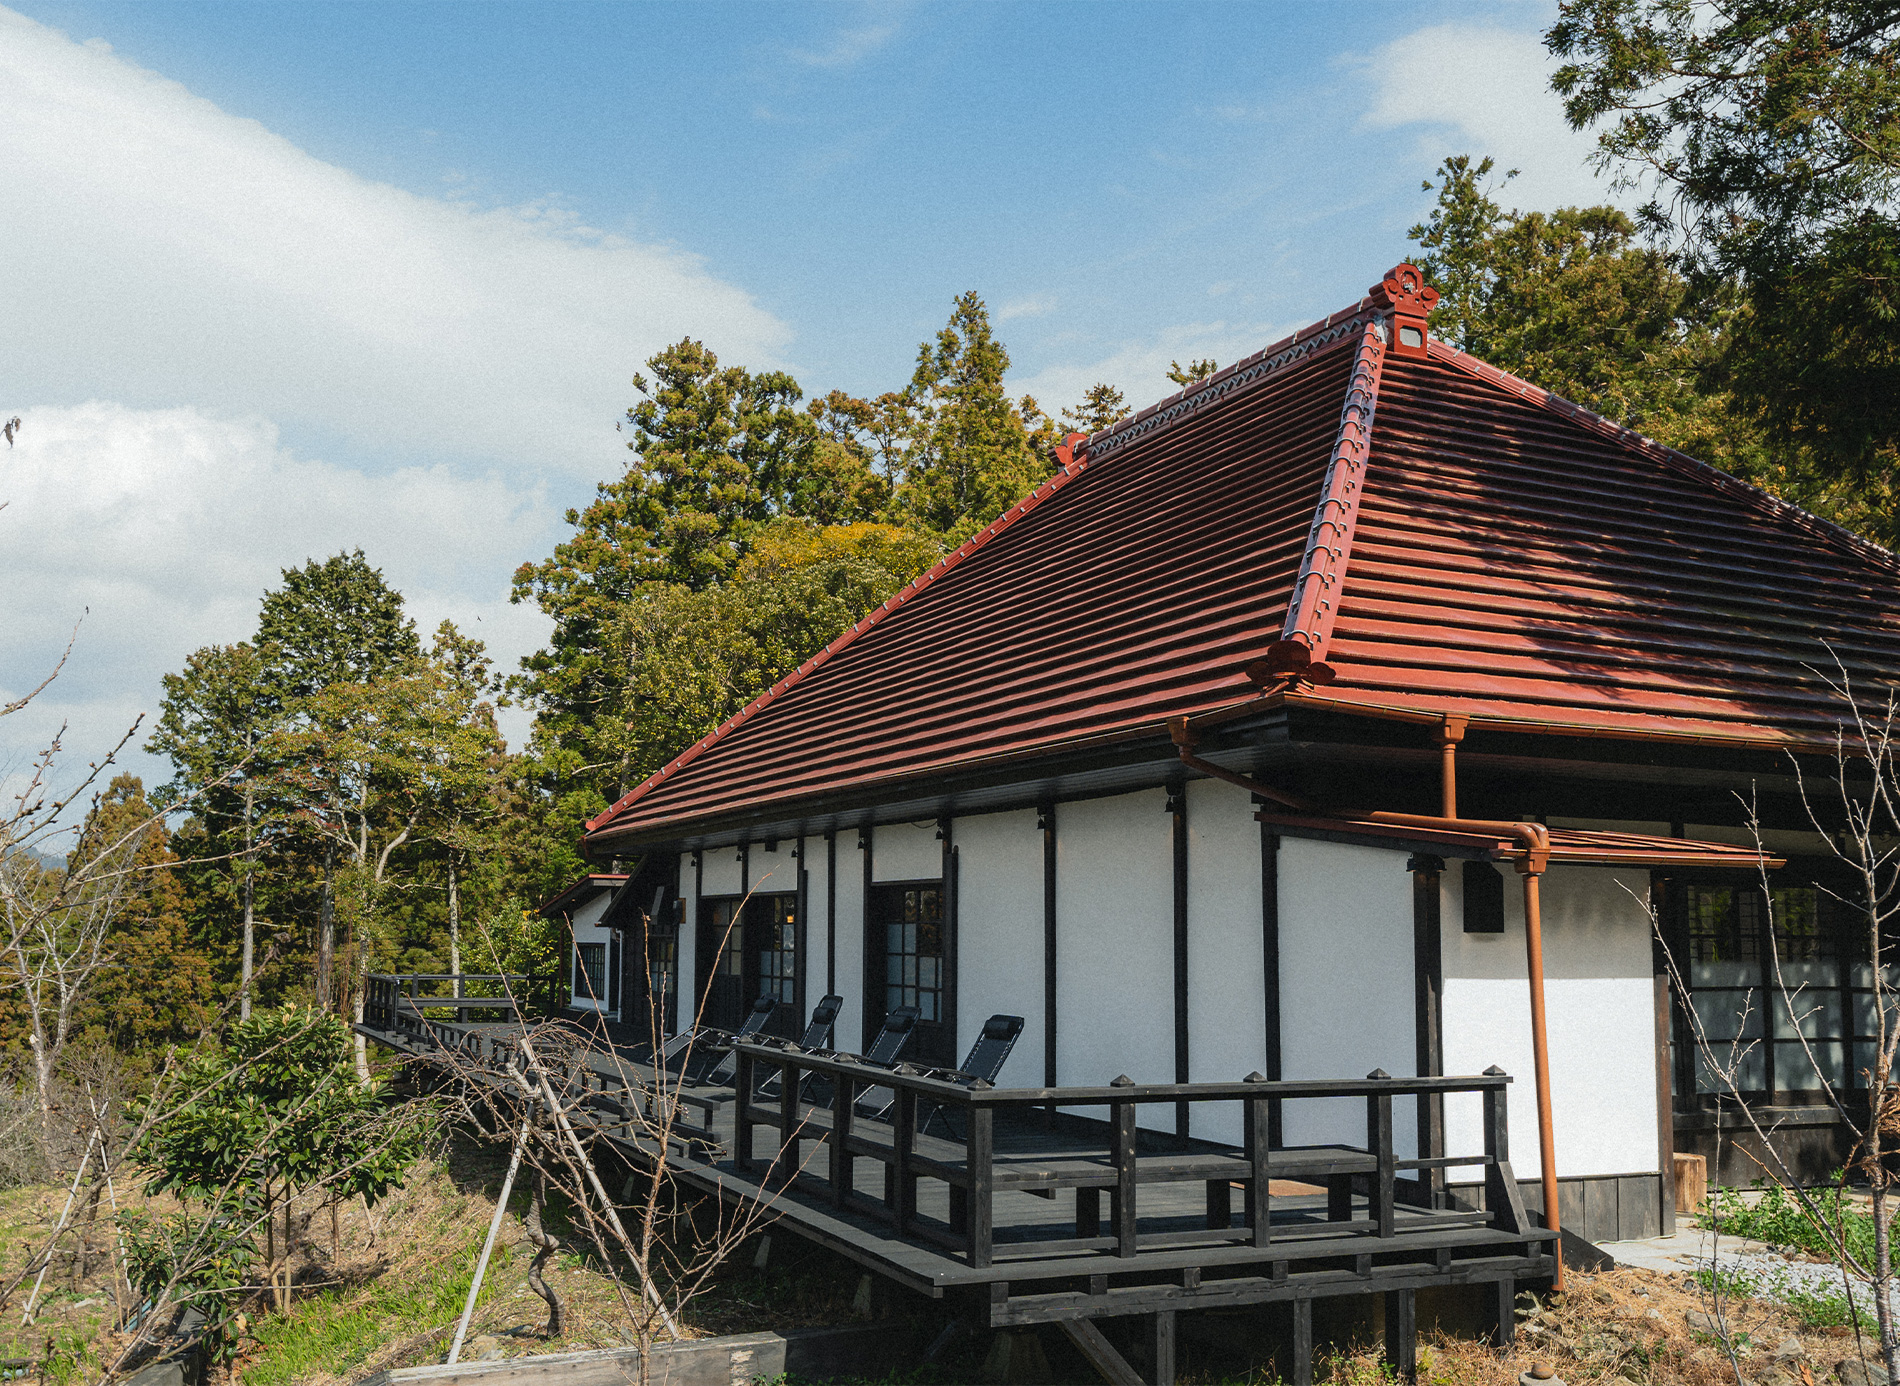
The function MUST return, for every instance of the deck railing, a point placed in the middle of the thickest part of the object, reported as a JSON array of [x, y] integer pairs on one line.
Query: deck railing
[[969, 1165], [396, 1002]]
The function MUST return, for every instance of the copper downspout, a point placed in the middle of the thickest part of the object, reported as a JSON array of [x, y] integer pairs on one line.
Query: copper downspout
[[1533, 838], [1450, 732]]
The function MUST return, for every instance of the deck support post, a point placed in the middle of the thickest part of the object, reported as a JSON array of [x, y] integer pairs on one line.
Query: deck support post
[[788, 1080], [1100, 1353], [1379, 1142], [1401, 1333], [1504, 1313], [1302, 1342], [1161, 1345], [1088, 1212], [741, 1119], [1259, 1141]]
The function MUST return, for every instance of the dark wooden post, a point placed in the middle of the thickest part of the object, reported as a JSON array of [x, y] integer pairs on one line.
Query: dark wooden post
[[1302, 1342], [1125, 1170], [1161, 1342], [788, 1118], [978, 1151], [1501, 1197], [844, 1096], [1379, 1143], [1088, 1212], [903, 1139], [741, 1121], [1259, 1140], [1401, 1333], [1504, 1312]]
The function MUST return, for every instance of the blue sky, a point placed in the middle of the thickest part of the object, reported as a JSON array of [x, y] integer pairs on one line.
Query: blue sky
[[292, 277]]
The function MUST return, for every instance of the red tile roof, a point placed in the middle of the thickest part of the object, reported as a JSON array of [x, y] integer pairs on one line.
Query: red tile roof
[[1458, 541]]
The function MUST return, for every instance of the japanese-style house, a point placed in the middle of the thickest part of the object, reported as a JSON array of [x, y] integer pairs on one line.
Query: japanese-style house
[[1133, 763], [1302, 762]]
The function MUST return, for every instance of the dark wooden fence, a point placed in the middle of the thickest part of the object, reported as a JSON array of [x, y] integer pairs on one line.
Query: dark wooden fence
[[966, 1158]]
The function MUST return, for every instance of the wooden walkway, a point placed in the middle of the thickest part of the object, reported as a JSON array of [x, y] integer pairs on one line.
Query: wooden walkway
[[1040, 1205]]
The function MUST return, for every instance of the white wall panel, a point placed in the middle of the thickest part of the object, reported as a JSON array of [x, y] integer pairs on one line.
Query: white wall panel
[[817, 895], [1226, 971], [1115, 942], [1346, 982], [999, 934], [773, 873], [720, 872], [907, 852], [1599, 1001]]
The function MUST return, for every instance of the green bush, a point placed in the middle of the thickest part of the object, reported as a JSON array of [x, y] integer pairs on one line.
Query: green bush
[[1780, 1219]]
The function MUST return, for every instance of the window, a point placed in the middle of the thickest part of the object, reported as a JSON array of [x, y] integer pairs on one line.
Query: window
[[1768, 990], [663, 961], [728, 933], [778, 947], [913, 949], [590, 973]]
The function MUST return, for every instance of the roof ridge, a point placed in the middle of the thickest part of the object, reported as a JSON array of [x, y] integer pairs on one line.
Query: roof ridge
[[1313, 605], [771, 695], [1247, 371], [1684, 462]]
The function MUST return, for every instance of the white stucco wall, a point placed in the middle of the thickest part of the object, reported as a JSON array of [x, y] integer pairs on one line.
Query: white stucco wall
[[1346, 982], [720, 873], [907, 852], [999, 934], [774, 873], [817, 893], [1599, 1000], [1226, 971], [1115, 943]]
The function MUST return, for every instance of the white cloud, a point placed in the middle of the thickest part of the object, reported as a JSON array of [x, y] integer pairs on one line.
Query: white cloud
[[162, 251], [848, 46], [163, 528], [1032, 306], [1483, 90]]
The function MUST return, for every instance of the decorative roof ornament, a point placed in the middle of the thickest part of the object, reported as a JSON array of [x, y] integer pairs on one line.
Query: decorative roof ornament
[[1409, 299]]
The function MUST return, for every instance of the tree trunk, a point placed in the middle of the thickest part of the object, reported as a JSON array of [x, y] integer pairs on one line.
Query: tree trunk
[[356, 1012], [545, 1246], [455, 927], [326, 928], [244, 978]]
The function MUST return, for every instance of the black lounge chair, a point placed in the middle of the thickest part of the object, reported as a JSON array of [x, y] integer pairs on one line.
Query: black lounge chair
[[982, 1064], [710, 1036], [816, 1039], [899, 1026]]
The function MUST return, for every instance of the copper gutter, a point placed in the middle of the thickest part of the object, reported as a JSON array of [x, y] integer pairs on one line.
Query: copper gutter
[[1534, 839], [1450, 732]]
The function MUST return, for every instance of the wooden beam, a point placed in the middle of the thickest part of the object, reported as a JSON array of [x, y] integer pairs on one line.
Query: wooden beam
[[1100, 1353], [1047, 817], [1177, 814], [1270, 963]]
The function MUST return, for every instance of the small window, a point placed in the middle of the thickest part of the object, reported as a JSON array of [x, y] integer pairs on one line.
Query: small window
[[590, 972], [728, 931]]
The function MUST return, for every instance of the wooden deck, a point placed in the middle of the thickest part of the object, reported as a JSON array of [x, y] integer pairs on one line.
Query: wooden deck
[[1052, 1205]]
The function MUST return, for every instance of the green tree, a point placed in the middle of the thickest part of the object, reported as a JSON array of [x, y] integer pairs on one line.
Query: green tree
[[148, 936], [971, 454], [1194, 370], [1102, 407], [220, 725], [277, 1115], [1769, 134], [335, 629]]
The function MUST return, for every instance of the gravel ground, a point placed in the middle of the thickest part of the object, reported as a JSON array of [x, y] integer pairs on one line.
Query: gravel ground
[[1779, 1278]]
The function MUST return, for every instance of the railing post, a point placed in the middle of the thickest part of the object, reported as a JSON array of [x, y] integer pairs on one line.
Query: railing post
[[1501, 1197], [903, 1138], [1259, 1139], [978, 1152], [742, 1120], [788, 1117], [844, 1097], [1125, 1170], [1379, 1143]]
